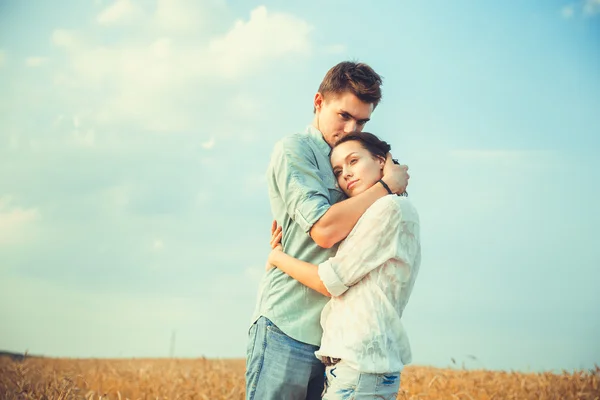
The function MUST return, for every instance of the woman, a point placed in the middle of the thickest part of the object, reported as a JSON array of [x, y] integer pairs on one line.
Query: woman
[[370, 279]]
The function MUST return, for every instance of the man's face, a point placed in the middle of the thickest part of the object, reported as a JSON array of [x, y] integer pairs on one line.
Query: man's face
[[336, 115]]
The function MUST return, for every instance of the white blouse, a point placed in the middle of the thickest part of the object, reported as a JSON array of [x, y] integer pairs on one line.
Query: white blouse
[[370, 279]]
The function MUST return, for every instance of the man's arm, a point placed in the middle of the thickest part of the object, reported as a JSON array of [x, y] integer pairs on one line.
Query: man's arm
[[340, 218]]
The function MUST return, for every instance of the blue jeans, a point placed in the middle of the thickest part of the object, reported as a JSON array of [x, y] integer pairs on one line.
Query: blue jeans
[[344, 382], [279, 367]]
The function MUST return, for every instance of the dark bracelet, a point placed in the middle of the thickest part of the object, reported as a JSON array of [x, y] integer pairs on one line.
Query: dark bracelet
[[385, 186]]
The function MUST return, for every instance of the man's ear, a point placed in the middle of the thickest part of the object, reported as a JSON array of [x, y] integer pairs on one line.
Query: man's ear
[[318, 101]]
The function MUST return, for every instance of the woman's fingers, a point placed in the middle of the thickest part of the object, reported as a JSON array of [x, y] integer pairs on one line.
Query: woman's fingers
[[276, 239], [276, 234], [273, 226]]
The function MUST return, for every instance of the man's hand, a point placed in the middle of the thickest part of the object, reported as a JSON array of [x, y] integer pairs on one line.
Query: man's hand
[[276, 235], [395, 175]]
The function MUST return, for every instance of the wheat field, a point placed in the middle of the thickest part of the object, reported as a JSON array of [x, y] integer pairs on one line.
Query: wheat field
[[49, 378]]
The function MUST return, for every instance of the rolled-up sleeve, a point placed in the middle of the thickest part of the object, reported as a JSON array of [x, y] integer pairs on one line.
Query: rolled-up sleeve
[[295, 176], [373, 241], [330, 279]]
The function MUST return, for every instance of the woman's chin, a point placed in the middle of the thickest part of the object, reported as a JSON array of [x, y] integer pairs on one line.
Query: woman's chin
[[354, 192]]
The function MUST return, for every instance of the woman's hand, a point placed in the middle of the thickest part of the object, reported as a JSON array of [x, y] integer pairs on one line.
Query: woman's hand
[[276, 235]]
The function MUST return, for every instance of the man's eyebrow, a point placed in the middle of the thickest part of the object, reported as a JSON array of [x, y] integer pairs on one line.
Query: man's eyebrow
[[364, 120]]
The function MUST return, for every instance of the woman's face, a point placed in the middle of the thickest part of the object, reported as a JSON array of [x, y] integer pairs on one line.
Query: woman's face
[[355, 168]]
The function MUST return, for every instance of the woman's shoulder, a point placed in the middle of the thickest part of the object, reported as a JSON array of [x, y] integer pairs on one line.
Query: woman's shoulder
[[398, 206]]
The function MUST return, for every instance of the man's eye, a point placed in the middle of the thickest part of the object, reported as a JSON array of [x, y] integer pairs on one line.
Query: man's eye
[[344, 116], [362, 123]]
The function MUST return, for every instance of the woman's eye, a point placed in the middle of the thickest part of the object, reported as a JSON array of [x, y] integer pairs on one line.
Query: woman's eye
[[336, 174], [353, 161]]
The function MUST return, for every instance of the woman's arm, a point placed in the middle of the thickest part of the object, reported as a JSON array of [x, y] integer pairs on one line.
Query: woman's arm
[[305, 273]]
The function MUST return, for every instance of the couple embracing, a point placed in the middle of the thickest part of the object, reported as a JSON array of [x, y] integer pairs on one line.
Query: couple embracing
[[344, 259]]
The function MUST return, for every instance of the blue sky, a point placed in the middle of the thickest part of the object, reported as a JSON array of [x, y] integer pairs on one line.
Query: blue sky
[[135, 135]]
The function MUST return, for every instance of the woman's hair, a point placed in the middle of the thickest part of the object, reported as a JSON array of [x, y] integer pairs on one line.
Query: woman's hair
[[374, 145]]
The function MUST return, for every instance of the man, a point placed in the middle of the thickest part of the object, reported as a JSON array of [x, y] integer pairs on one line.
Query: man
[[307, 202]]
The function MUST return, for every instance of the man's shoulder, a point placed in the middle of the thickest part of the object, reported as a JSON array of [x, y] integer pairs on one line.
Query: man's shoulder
[[293, 139], [294, 144]]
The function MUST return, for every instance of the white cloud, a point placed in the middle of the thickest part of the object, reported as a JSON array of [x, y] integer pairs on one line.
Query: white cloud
[[591, 7], [119, 11], [118, 197], [265, 36], [15, 220], [35, 61], [85, 139], [185, 16], [586, 7], [567, 11], [152, 70], [209, 144], [66, 39], [158, 244], [58, 120]]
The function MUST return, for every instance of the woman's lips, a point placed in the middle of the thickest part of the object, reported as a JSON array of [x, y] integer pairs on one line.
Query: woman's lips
[[350, 184]]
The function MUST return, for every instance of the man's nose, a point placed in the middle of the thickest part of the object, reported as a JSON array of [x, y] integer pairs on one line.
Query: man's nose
[[350, 126]]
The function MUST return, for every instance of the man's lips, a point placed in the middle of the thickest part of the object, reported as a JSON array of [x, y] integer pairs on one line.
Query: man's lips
[[350, 184]]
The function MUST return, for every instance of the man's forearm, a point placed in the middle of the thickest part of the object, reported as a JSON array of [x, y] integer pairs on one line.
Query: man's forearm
[[339, 220], [305, 273]]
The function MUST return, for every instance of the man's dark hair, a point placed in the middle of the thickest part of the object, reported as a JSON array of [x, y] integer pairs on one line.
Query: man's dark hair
[[356, 78]]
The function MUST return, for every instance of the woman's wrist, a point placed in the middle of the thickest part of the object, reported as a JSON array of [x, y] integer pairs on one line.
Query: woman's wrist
[[274, 256]]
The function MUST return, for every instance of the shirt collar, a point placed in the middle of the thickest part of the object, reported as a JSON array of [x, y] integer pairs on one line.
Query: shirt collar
[[317, 136]]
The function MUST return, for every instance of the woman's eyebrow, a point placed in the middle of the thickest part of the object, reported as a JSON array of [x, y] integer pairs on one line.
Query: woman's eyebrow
[[334, 167]]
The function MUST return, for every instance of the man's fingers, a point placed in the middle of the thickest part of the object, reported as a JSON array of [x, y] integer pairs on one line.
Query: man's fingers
[[388, 160]]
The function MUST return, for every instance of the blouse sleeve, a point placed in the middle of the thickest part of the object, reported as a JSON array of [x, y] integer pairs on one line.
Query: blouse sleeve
[[373, 241]]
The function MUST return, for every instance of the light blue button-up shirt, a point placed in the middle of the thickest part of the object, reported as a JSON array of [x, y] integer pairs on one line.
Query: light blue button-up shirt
[[302, 187]]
